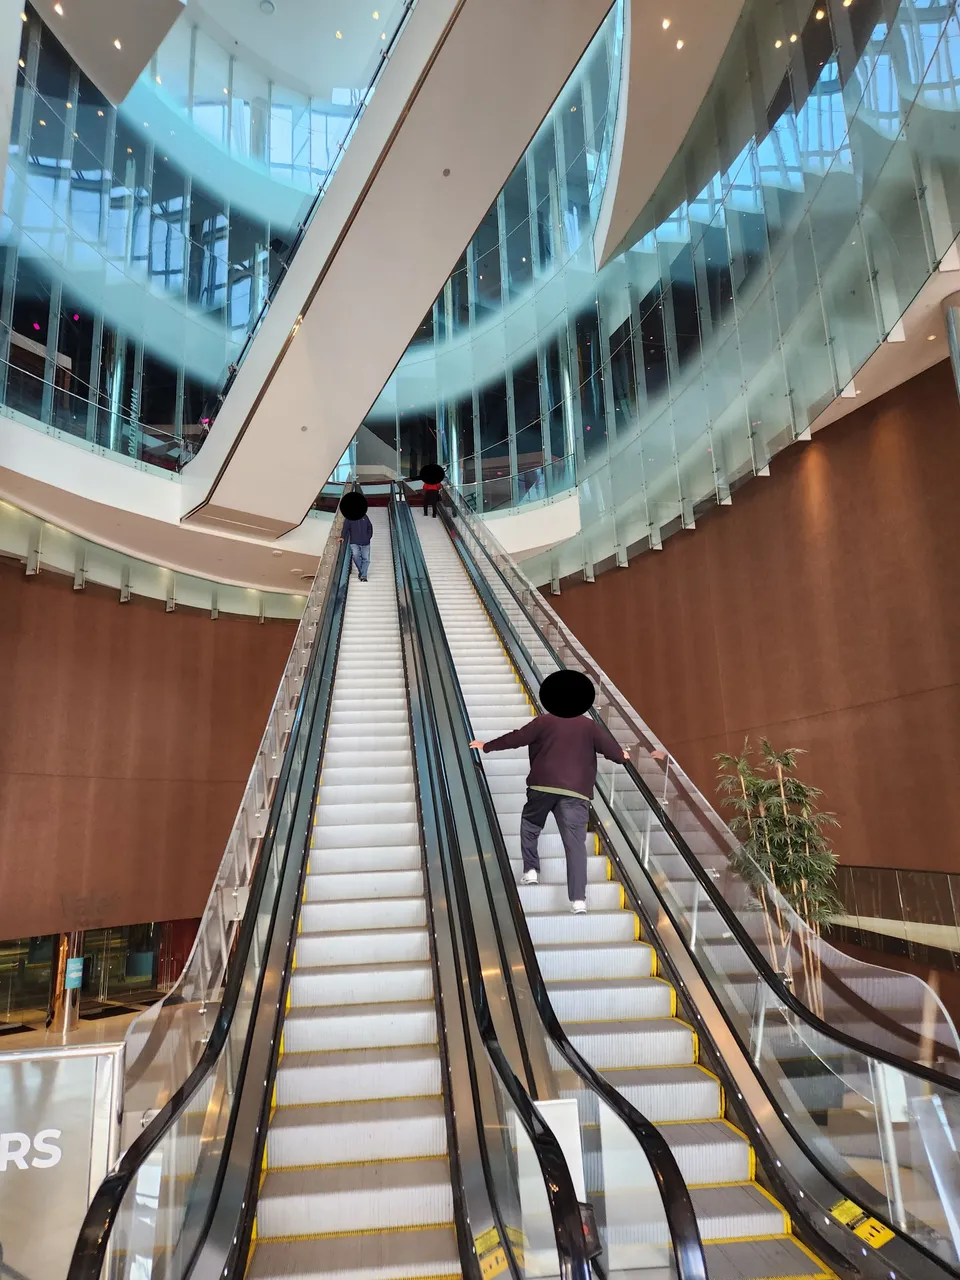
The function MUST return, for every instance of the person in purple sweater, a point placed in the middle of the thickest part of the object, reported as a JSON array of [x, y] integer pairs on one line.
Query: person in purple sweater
[[563, 746]]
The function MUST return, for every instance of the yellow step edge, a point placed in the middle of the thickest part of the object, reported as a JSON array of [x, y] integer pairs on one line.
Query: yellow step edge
[[352, 1164], [301, 1053], [349, 1102], [367, 1231]]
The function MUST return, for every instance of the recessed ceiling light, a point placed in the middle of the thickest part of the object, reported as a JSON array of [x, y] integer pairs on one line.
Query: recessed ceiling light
[[793, 38], [847, 3], [276, 553], [573, 108], [383, 35], [376, 14], [58, 8], [267, 6], [778, 44], [23, 17], [129, 151], [117, 44], [69, 106], [22, 63], [226, 90], [339, 35], [665, 24], [43, 122], [159, 81], [679, 44], [931, 337], [820, 15], [99, 113]]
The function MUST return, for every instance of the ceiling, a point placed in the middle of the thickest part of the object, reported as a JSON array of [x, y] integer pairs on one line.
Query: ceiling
[[297, 45], [91, 30]]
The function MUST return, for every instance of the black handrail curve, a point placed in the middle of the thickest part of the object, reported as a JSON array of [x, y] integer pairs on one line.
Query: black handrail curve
[[674, 1193], [90, 1250], [755, 955], [561, 1193]]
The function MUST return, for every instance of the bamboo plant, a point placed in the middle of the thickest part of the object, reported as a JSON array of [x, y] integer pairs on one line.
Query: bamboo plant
[[784, 845]]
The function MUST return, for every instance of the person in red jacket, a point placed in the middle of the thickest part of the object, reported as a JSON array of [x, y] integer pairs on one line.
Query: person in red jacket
[[563, 745], [432, 477]]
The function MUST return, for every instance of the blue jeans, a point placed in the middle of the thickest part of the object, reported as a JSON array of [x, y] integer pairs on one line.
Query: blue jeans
[[361, 558]]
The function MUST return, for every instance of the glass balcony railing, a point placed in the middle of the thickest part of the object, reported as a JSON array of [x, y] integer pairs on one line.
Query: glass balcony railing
[[814, 195], [141, 245]]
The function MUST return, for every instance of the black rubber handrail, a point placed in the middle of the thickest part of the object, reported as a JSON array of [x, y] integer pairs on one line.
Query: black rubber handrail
[[674, 1193], [90, 1250], [754, 954], [564, 1205]]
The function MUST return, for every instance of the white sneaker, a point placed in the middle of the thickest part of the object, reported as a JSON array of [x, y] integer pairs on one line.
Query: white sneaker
[[578, 908], [530, 877]]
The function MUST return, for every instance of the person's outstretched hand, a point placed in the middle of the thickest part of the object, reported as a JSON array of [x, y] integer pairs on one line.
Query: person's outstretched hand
[[626, 755], [478, 745], [658, 755]]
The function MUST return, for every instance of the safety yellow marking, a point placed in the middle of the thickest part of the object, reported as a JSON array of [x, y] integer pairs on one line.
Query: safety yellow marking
[[870, 1230], [344, 1164], [813, 1258], [493, 1264], [486, 1239], [787, 1223], [366, 1231], [609, 869]]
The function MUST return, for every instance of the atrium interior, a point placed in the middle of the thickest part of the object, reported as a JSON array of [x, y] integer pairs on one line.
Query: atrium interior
[[481, 639]]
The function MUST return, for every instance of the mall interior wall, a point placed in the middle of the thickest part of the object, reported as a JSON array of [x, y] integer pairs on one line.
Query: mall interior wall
[[821, 610], [127, 738]]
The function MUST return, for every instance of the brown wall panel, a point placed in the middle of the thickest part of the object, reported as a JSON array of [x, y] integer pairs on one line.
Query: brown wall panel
[[822, 609], [126, 738]]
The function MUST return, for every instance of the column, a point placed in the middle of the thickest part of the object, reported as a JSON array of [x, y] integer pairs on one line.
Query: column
[[67, 978]]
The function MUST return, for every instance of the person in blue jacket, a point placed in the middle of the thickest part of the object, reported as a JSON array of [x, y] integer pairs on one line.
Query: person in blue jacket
[[357, 531]]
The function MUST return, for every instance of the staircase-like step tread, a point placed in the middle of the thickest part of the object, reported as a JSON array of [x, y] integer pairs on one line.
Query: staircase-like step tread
[[380, 1255]]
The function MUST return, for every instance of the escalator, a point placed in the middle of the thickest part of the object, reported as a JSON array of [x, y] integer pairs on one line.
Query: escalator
[[618, 1009], [814, 1142], [363, 1105], [359, 1074]]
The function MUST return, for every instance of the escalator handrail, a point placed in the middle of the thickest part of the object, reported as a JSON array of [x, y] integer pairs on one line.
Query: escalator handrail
[[674, 1193], [561, 1193], [760, 962], [90, 1249]]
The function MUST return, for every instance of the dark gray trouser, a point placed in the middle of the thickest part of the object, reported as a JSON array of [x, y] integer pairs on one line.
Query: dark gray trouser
[[571, 815]]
